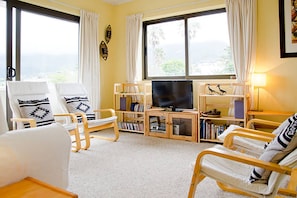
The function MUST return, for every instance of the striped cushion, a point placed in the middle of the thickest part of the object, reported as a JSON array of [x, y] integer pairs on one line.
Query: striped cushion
[[80, 104], [283, 144], [40, 110]]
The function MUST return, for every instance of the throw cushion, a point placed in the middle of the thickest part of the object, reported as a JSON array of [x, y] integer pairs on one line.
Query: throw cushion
[[284, 143], [40, 110], [80, 104]]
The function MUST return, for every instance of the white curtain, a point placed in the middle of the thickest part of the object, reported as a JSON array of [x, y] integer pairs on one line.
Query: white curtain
[[134, 35], [89, 67], [242, 17]]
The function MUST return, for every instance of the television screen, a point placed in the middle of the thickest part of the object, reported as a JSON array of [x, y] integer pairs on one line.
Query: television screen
[[177, 94]]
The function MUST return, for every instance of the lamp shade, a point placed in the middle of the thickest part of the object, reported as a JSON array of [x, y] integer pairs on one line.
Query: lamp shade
[[259, 79]]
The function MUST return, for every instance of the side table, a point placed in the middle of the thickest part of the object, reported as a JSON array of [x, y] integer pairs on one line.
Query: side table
[[31, 187]]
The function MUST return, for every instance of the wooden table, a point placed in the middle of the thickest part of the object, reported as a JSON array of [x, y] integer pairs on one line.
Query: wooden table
[[270, 113], [33, 188]]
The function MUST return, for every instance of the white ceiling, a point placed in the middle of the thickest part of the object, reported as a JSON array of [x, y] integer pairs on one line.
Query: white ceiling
[[117, 2]]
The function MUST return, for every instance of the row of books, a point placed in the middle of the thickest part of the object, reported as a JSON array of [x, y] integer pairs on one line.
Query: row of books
[[210, 130], [133, 126]]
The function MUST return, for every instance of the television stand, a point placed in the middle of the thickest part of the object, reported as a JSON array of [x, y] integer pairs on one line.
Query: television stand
[[171, 124], [173, 109]]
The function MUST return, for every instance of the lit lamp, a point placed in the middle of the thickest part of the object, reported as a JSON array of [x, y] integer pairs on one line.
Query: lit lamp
[[259, 80]]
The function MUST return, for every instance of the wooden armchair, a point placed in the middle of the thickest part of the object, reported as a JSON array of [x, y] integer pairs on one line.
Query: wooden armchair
[[232, 169], [73, 98], [31, 107]]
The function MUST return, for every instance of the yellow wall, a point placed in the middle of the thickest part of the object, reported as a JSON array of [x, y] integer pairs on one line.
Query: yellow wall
[[279, 93]]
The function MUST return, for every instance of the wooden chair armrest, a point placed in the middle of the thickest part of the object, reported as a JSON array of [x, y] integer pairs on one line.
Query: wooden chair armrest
[[112, 111], [258, 132], [286, 192], [251, 122], [32, 122], [228, 141], [71, 115], [243, 159]]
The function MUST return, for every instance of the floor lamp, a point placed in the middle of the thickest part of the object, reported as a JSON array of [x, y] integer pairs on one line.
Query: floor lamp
[[258, 80]]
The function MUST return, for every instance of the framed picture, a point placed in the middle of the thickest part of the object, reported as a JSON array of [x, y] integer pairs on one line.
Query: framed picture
[[288, 28]]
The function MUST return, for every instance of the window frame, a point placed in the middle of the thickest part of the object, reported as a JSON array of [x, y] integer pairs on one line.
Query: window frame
[[184, 17], [22, 6]]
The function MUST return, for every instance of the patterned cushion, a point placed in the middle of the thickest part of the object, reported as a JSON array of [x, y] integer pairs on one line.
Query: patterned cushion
[[284, 143], [40, 110], [80, 104]]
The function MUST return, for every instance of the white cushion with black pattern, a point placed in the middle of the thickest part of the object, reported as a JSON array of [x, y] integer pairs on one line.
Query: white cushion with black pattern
[[80, 104], [40, 110], [282, 145]]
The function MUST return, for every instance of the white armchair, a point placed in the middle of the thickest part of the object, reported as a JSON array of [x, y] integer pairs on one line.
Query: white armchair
[[31, 104], [42, 153], [73, 98]]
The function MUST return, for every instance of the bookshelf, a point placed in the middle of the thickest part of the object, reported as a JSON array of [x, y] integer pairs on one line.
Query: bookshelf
[[131, 100], [232, 108]]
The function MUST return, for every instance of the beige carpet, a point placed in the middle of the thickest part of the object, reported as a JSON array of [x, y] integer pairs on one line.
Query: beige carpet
[[138, 166]]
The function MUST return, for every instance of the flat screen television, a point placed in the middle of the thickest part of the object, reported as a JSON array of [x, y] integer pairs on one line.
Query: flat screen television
[[175, 94]]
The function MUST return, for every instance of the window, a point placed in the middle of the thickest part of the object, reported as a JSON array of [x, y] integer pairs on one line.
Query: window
[[2, 45], [44, 43], [188, 46], [49, 48]]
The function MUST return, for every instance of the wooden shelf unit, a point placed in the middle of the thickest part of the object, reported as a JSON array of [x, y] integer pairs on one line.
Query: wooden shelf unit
[[137, 95], [170, 124], [210, 127]]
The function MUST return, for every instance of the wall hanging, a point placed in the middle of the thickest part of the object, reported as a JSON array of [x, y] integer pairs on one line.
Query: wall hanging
[[108, 34], [103, 50]]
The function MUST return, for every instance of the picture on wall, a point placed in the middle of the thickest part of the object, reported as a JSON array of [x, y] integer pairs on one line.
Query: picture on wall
[[288, 28]]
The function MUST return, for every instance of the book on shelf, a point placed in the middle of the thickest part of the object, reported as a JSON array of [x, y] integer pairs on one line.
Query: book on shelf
[[132, 126], [125, 103], [210, 130]]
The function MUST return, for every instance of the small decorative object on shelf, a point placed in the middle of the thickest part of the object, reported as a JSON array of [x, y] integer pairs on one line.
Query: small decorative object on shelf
[[212, 113], [108, 34], [211, 90], [222, 91], [103, 50]]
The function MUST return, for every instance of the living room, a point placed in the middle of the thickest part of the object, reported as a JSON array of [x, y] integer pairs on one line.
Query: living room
[[276, 96], [279, 71]]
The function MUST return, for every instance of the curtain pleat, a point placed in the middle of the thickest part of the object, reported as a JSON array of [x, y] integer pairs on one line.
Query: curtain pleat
[[89, 67], [242, 15], [134, 35]]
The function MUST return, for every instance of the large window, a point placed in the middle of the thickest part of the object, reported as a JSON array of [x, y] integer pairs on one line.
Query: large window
[[49, 48], [189, 46], [44, 43], [41, 44]]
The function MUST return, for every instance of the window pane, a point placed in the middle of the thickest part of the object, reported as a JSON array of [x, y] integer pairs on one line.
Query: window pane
[[209, 47], [2, 44], [49, 48], [166, 49], [3, 54]]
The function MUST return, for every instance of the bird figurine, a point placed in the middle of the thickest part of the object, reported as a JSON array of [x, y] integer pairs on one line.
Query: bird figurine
[[211, 91], [222, 92]]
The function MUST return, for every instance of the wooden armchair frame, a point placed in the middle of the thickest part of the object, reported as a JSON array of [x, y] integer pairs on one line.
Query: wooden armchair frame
[[109, 120], [198, 176], [87, 129]]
